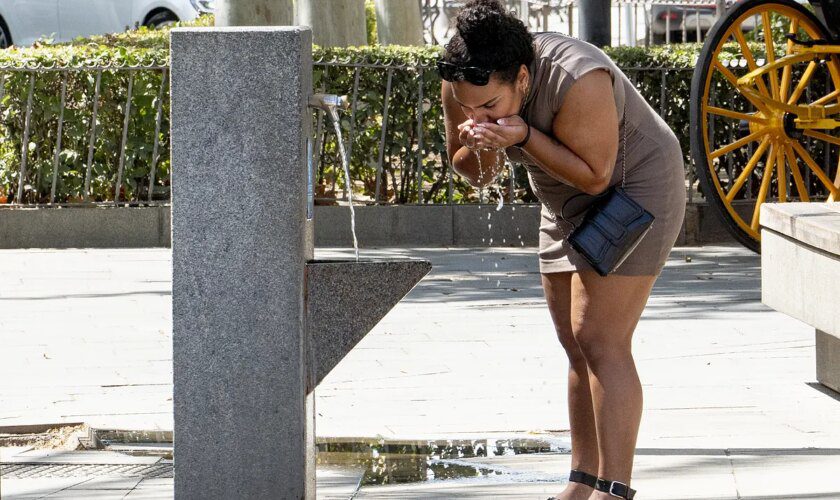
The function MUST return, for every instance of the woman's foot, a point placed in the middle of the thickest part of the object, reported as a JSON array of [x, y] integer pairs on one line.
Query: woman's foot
[[619, 490], [575, 491]]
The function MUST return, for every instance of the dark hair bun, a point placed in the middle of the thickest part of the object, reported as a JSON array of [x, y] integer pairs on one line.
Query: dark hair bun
[[481, 21], [490, 36]]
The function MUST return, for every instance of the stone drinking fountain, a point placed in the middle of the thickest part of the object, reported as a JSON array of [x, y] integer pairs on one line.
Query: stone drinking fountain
[[257, 321]]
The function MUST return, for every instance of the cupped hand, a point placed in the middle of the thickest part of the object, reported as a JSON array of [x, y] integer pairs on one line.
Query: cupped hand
[[505, 132], [466, 134]]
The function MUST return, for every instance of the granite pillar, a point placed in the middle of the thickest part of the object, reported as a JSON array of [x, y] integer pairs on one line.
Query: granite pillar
[[244, 425]]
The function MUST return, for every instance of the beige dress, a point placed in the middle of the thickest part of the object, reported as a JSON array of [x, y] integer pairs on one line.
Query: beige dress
[[655, 175]]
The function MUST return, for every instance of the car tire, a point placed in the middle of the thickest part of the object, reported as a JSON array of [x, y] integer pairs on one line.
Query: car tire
[[5, 35], [162, 19]]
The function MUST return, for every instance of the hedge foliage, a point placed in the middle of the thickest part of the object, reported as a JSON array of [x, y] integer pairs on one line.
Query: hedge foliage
[[411, 70]]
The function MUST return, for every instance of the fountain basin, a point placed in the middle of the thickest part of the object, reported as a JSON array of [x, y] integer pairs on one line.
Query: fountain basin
[[345, 299]]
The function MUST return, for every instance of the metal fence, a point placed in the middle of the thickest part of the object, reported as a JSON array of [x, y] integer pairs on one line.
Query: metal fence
[[660, 84], [419, 169], [99, 135], [31, 170]]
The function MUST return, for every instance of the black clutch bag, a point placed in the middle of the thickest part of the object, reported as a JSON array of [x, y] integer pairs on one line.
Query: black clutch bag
[[612, 227], [610, 230]]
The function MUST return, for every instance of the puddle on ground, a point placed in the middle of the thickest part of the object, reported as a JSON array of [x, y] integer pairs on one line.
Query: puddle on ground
[[384, 461], [392, 462]]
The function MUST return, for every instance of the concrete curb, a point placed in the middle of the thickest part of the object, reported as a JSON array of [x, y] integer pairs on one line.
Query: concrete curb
[[382, 225]]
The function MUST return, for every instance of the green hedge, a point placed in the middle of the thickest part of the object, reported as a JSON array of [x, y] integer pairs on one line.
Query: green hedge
[[141, 47], [333, 74]]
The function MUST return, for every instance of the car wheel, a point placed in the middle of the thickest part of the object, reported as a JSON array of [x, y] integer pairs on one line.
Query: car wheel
[[162, 19], [5, 36]]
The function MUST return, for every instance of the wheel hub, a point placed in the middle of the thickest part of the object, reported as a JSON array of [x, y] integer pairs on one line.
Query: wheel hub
[[789, 125], [778, 124]]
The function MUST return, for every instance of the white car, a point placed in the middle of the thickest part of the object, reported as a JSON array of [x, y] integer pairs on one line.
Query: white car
[[24, 21]]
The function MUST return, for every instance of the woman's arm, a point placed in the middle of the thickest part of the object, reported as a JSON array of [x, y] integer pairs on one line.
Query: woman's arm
[[584, 142], [463, 160]]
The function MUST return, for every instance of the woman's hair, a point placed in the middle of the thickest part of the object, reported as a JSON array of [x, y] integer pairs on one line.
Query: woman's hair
[[489, 36]]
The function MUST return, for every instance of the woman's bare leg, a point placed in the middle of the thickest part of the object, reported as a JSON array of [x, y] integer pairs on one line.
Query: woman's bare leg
[[557, 290], [605, 312]]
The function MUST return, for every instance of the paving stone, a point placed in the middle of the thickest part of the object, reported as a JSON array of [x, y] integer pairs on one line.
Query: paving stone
[[719, 370]]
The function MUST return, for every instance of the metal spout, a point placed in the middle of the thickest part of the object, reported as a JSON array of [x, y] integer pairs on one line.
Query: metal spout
[[329, 102]]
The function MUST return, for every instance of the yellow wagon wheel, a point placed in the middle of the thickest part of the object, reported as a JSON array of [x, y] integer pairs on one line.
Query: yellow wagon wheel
[[764, 113]]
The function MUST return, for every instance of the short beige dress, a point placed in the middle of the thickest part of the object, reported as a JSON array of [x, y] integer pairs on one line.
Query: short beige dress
[[655, 175]]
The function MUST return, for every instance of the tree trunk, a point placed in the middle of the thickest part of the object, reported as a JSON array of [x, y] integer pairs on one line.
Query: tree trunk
[[334, 23], [255, 13], [398, 22], [595, 22]]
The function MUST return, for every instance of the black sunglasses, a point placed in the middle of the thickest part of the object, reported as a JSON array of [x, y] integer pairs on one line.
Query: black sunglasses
[[454, 73]]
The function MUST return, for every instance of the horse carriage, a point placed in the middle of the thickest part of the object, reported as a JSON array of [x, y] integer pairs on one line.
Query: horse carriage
[[765, 110]]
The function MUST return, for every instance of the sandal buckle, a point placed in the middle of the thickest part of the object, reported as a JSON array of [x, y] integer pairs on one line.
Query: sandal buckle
[[615, 494]]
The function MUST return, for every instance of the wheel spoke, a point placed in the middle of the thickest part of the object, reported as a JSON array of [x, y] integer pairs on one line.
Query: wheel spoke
[[765, 186], [750, 60], [823, 137], [834, 71], [726, 73], [781, 180], [794, 28], [806, 77], [737, 144], [824, 99], [770, 52], [797, 177], [736, 115], [815, 168], [734, 81], [742, 178], [832, 197], [786, 71]]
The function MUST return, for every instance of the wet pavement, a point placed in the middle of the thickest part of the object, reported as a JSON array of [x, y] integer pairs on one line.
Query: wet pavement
[[732, 408]]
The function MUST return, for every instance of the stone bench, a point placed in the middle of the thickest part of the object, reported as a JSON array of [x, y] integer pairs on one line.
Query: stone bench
[[800, 273]]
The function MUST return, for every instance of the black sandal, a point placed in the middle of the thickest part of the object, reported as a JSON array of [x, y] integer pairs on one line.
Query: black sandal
[[578, 476], [615, 488]]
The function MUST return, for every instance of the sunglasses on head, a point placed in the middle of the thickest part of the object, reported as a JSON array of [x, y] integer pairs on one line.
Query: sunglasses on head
[[454, 73]]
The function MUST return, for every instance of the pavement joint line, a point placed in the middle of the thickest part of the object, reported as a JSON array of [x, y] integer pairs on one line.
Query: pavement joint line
[[734, 476]]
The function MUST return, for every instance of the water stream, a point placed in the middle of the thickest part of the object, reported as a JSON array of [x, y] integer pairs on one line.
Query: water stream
[[501, 154], [344, 162]]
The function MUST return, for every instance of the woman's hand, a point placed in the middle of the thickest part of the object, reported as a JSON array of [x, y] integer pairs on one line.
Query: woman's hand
[[505, 132], [466, 134]]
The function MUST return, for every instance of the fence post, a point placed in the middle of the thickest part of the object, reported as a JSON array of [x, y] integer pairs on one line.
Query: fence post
[[24, 146], [390, 72]]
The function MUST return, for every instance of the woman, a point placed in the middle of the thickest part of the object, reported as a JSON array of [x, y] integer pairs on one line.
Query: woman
[[560, 107]]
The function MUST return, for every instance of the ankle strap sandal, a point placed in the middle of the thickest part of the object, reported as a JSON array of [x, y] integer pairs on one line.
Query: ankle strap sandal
[[615, 488], [578, 476]]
